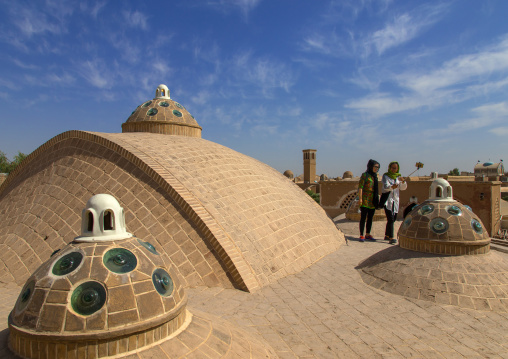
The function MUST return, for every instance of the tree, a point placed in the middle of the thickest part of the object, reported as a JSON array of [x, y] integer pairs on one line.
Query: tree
[[454, 172], [4, 163], [7, 166], [314, 195]]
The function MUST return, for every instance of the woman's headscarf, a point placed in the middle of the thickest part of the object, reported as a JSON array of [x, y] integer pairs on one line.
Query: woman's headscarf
[[393, 175], [370, 171]]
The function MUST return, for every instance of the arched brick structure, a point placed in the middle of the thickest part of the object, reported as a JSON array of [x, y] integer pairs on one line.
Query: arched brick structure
[[222, 218]]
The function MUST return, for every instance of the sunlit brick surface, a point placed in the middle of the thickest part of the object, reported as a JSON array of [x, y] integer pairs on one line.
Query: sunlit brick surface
[[223, 218]]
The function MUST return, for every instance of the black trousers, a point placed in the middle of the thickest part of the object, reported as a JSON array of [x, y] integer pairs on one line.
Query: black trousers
[[366, 213], [391, 216]]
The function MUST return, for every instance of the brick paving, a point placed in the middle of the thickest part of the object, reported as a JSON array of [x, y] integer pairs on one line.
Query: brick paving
[[327, 311]]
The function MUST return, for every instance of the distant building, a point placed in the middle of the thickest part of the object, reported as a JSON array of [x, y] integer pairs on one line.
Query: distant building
[[488, 171]]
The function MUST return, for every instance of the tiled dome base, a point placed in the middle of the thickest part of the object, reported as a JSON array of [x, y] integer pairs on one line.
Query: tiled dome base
[[443, 247], [477, 282]]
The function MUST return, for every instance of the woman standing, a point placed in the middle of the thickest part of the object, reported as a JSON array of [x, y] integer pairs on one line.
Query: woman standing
[[368, 198], [394, 183]]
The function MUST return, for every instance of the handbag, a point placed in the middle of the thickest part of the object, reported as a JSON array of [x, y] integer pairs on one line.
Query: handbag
[[383, 199]]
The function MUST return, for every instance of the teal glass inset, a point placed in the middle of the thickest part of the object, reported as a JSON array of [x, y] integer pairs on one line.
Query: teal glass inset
[[146, 104], [468, 208], [177, 113], [148, 246], [67, 263], [426, 209], [26, 294], [120, 260], [164, 104], [178, 105], [439, 225], [162, 282], [477, 226], [88, 298], [454, 210], [407, 221], [152, 111]]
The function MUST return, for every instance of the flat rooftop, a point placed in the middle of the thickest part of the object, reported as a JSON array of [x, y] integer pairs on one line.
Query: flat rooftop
[[327, 311]]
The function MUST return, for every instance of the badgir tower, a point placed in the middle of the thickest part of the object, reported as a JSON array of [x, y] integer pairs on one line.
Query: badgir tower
[[104, 231]]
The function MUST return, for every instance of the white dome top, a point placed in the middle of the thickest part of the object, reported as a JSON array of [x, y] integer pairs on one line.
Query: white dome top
[[440, 190], [162, 91], [102, 220]]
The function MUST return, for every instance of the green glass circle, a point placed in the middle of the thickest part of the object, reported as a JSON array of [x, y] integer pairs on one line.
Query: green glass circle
[[26, 294], [146, 104], [177, 113], [426, 209], [164, 104], [178, 105], [152, 111], [477, 226], [120, 260], [67, 263], [162, 282], [439, 225], [454, 210], [148, 246], [407, 221], [88, 298]]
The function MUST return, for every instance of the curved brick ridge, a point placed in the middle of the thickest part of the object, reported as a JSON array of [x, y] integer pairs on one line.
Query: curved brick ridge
[[42, 200], [238, 218], [478, 282]]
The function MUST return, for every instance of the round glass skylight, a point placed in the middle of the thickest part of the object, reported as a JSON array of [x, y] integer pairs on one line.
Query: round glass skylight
[[120, 260], [88, 298], [477, 226], [439, 225], [152, 111], [426, 209], [162, 282], [407, 221], [454, 210], [67, 263]]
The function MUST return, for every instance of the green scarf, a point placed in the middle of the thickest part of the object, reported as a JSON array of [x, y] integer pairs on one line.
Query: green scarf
[[393, 175]]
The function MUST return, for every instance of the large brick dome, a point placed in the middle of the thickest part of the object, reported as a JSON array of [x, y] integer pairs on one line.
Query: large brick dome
[[223, 218]]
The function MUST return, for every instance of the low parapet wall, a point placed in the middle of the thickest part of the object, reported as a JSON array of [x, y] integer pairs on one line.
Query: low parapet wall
[[482, 197]]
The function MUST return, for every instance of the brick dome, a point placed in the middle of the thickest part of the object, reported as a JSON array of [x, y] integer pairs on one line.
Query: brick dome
[[162, 115]]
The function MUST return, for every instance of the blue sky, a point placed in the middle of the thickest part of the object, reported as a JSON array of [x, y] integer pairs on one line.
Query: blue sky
[[390, 80]]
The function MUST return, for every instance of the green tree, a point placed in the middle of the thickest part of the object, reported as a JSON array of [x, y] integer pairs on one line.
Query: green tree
[[454, 172], [7, 166], [314, 195]]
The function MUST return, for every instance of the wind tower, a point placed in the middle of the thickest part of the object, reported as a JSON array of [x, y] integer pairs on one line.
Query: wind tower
[[309, 166]]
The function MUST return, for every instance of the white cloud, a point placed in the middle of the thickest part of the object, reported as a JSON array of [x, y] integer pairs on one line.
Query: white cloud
[[96, 74], [244, 6], [484, 116], [499, 131], [459, 79], [24, 65], [404, 28], [135, 19]]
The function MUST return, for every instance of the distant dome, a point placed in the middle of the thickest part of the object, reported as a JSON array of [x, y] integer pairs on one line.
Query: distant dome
[[162, 115], [289, 174], [347, 174]]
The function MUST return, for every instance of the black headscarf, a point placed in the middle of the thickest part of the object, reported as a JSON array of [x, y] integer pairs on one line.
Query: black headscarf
[[370, 171]]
